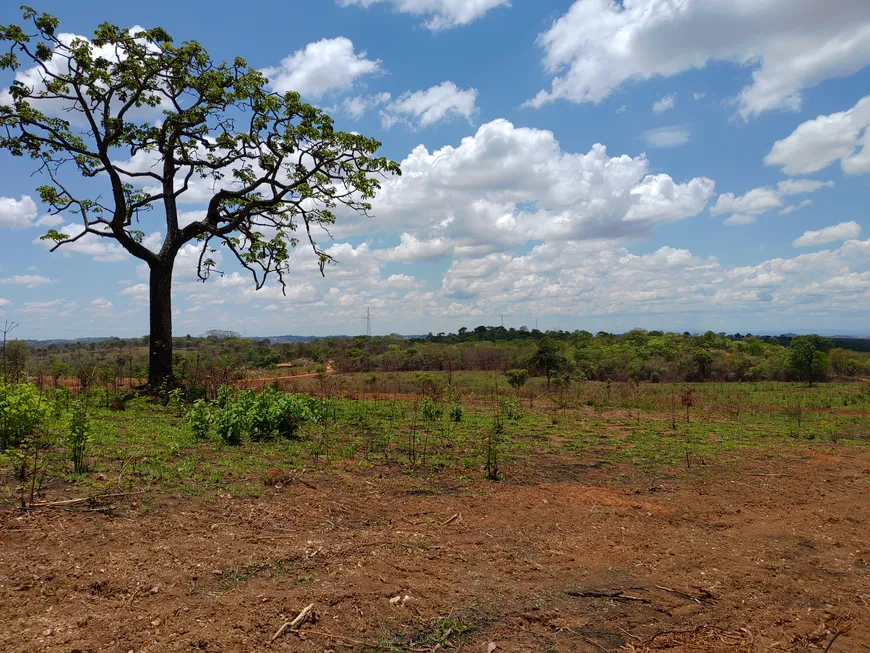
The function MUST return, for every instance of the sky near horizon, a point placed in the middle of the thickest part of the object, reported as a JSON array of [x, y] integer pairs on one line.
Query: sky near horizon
[[599, 165]]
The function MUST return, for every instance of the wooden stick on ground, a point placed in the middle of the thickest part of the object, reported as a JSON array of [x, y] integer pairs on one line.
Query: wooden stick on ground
[[297, 621], [72, 502]]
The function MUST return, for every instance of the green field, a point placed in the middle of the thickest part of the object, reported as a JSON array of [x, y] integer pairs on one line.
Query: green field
[[475, 427]]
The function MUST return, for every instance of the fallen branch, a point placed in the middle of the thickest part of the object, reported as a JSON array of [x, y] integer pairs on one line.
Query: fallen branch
[[686, 596], [72, 502], [458, 516], [297, 621], [617, 595]]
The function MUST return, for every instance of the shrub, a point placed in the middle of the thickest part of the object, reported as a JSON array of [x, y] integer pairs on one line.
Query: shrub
[[517, 378], [510, 408], [231, 424], [455, 413], [21, 409], [431, 411], [199, 420]]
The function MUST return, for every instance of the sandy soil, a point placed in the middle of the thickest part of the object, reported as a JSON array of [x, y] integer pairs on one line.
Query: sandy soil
[[766, 552]]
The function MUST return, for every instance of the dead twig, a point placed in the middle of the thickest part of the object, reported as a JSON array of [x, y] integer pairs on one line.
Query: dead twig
[[457, 516], [617, 595], [72, 502], [842, 631], [686, 596], [297, 621]]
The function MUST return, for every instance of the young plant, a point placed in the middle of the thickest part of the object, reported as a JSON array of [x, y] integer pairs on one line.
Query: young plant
[[199, 420], [77, 438]]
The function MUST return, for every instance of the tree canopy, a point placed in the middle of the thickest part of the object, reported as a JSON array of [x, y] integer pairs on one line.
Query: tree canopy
[[154, 124]]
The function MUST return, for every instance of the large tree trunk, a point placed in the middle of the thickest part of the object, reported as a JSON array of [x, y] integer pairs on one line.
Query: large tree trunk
[[160, 350]]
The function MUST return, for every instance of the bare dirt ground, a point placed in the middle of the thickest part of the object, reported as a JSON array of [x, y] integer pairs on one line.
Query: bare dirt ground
[[768, 551]]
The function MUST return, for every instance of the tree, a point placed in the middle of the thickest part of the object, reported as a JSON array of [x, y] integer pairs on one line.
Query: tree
[[517, 378], [548, 357], [807, 358], [152, 121]]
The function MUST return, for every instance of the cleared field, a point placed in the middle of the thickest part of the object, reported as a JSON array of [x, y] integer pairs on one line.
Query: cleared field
[[616, 524]]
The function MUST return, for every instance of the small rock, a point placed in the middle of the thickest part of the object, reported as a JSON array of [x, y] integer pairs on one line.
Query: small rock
[[155, 622]]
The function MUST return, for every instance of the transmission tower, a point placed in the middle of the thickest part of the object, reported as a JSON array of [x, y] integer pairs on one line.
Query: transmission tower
[[368, 322]]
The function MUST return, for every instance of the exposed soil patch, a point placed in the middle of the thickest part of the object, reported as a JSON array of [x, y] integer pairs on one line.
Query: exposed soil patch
[[768, 552]]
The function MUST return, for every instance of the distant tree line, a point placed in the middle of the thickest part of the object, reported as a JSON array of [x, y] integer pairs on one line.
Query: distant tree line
[[561, 356]]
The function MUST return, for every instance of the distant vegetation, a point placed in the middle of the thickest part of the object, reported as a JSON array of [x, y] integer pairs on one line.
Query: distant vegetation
[[561, 357]]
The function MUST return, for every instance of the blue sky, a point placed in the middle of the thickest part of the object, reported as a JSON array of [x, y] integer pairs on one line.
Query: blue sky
[[589, 164]]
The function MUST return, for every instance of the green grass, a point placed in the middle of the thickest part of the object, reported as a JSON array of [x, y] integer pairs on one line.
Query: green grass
[[149, 446]]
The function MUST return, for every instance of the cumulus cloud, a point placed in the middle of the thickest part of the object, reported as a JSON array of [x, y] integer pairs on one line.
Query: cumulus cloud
[[843, 231], [17, 214], [29, 280], [441, 14], [761, 200], [665, 104], [507, 185], [321, 67], [819, 142], [672, 136], [598, 45], [358, 105], [97, 247], [596, 279], [425, 108]]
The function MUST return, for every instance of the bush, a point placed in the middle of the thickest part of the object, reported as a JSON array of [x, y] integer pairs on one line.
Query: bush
[[517, 378], [510, 408], [455, 413], [21, 409], [431, 411], [231, 424], [199, 420], [261, 417]]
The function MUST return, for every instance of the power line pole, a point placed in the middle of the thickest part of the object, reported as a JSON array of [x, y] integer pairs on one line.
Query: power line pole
[[368, 322], [7, 327], [502, 320]]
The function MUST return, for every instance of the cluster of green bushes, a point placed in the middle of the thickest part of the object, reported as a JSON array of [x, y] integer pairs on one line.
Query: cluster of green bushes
[[31, 424], [234, 416]]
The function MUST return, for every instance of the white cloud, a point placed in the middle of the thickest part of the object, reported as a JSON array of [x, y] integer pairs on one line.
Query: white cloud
[[598, 45], [357, 106], [100, 249], [739, 219], [761, 200], [29, 280], [138, 292], [327, 65], [4, 302], [50, 220], [843, 231], [673, 136], [425, 108], [755, 202], [507, 185], [667, 103], [819, 142], [442, 14], [42, 307], [412, 248], [699, 96], [17, 214], [102, 307], [799, 186], [788, 210]]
